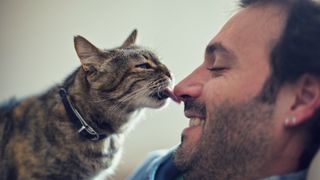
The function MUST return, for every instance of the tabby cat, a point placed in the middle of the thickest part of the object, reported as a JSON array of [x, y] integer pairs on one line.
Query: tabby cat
[[75, 129]]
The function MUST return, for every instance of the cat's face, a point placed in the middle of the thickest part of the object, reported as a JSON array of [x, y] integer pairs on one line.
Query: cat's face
[[129, 75]]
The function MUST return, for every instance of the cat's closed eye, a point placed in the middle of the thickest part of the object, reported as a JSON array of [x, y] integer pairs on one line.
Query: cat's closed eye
[[143, 66]]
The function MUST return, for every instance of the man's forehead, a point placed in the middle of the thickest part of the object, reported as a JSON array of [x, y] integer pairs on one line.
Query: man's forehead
[[253, 26]]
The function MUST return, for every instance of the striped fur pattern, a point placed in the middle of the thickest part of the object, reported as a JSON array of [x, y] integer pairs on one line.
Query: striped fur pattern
[[38, 141]]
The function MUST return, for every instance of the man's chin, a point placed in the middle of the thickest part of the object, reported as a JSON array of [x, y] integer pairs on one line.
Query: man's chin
[[183, 157]]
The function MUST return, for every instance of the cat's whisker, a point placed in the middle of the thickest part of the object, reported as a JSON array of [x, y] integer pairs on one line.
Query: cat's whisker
[[158, 84], [127, 98], [147, 86], [144, 91]]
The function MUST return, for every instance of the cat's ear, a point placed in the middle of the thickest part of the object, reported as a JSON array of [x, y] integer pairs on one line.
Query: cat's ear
[[87, 53], [131, 39]]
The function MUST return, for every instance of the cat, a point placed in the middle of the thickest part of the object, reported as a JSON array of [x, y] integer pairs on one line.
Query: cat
[[75, 130]]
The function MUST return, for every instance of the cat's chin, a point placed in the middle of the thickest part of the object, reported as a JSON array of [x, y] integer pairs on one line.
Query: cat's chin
[[158, 103], [152, 102], [163, 95], [160, 98]]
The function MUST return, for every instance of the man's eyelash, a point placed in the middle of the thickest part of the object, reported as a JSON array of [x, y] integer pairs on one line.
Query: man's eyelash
[[216, 68]]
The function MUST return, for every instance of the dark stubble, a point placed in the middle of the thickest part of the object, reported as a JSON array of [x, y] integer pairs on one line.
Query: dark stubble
[[233, 144]]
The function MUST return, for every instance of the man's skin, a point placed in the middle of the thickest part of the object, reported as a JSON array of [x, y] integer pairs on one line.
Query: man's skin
[[232, 134]]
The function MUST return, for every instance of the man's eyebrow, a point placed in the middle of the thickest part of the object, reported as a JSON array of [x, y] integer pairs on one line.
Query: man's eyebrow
[[219, 47]]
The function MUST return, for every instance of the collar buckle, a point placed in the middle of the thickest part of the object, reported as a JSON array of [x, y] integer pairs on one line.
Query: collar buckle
[[76, 117]]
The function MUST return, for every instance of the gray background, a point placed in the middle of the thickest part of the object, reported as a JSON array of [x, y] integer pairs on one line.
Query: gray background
[[36, 50]]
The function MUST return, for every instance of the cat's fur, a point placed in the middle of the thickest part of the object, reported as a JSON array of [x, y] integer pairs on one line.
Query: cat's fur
[[38, 139]]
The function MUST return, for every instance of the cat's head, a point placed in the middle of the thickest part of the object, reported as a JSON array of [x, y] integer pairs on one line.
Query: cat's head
[[128, 75]]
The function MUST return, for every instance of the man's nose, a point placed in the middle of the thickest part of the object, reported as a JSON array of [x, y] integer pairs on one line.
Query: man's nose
[[190, 87]]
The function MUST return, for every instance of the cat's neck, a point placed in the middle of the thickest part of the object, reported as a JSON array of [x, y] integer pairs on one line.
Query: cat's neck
[[101, 115]]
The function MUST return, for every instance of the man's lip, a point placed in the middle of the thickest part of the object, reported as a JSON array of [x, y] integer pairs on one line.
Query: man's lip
[[190, 114]]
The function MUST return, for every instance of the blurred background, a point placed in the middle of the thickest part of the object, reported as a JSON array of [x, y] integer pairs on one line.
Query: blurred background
[[36, 50]]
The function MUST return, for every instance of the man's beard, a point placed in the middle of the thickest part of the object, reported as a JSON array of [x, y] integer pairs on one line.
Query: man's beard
[[233, 144]]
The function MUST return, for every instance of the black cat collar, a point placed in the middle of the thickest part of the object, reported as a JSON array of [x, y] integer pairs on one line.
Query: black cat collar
[[84, 129]]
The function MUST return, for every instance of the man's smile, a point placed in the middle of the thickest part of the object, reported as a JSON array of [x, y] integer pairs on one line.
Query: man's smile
[[195, 121]]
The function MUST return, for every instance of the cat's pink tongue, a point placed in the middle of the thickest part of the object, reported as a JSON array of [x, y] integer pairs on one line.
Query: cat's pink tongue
[[170, 94]]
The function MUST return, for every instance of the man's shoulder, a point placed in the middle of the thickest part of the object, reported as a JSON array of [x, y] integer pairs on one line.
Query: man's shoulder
[[148, 169], [300, 175]]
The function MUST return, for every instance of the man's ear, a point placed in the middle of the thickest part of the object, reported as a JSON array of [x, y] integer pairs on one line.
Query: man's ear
[[306, 102]]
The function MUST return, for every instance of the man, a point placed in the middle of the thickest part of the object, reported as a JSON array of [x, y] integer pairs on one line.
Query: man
[[254, 102]]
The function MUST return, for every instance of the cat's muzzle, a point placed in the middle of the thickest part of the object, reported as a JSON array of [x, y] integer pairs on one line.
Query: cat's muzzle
[[164, 94]]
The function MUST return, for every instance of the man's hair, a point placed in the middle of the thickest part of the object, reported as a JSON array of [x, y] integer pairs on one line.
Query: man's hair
[[296, 53]]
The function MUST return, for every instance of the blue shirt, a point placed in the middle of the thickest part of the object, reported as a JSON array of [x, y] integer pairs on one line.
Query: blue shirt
[[159, 166]]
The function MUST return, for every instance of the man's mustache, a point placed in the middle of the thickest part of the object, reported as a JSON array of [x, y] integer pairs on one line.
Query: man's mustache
[[195, 107]]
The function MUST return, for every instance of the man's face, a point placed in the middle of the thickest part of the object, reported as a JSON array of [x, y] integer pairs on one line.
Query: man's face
[[231, 131]]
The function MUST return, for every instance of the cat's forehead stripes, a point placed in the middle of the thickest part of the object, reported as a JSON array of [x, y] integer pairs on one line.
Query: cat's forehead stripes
[[135, 52]]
